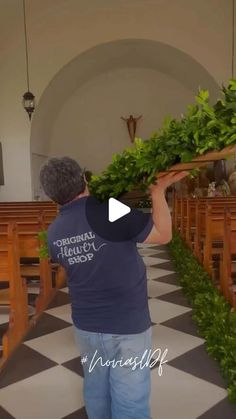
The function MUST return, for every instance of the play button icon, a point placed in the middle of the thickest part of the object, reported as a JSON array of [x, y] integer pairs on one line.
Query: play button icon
[[116, 210], [112, 220]]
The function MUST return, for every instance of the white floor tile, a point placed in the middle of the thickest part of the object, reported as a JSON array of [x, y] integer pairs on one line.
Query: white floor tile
[[62, 312], [150, 252], [161, 310], [149, 260], [59, 346], [65, 290], [155, 288], [51, 394], [145, 245], [179, 395], [33, 290], [153, 273], [175, 341]]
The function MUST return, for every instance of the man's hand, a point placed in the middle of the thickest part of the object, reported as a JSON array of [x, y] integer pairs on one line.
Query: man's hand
[[164, 181]]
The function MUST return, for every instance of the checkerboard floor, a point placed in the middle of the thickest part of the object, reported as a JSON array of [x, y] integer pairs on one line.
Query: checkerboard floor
[[44, 379]]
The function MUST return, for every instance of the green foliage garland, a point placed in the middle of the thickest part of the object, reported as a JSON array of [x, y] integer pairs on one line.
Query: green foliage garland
[[203, 128], [214, 316], [43, 249]]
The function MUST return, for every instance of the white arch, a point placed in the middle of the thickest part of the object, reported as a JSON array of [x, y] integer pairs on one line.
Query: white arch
[[128, 53], [112, 55]]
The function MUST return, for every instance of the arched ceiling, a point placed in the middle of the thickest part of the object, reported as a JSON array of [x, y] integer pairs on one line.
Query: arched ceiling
[[128, 53]]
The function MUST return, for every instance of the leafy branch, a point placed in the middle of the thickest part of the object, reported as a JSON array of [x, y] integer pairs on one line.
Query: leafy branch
[[203, 128]]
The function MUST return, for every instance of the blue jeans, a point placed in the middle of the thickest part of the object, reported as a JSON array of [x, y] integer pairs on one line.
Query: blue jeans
[[117, 382]]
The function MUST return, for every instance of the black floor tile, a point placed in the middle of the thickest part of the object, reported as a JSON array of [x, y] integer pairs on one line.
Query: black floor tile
[[24, 363], [60, 299], [153, 365], [32, 299], [222, 410], [46, 324], [175, 297], [199, 363], [75, 366], [164, 255], [168, 265], [160, 247], [4, 414], [183, 323], [155, 255], [79, 414], [172, 279]]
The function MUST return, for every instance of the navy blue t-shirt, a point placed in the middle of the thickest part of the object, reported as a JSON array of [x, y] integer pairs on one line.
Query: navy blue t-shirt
[[106, 278]]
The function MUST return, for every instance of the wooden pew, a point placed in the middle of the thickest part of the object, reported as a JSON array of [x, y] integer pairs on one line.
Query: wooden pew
[[24, 215], [27, 209], [187, 217], [10, 272], [184, 211], [190, 222], [32, 266], [204, 210], [215, 224], [19, 240], [39, 204], [228, 259], [183, 217], [201, 223], [29, 245], [50, 211], [31, 212], [177, 213], [180, 214], [27, 203]]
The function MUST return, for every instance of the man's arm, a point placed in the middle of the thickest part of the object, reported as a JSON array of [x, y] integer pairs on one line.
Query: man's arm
[[161, 232]]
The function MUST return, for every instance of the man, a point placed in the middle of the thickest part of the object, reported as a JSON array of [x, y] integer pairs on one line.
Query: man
[[107, 286]]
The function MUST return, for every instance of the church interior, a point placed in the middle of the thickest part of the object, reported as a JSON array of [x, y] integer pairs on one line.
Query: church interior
[[132, 90]]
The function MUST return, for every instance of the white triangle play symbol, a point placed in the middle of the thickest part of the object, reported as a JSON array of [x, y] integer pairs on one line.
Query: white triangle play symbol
[[116, 210]]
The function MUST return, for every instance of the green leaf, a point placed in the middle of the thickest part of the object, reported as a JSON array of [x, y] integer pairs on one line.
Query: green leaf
[[232, 84]]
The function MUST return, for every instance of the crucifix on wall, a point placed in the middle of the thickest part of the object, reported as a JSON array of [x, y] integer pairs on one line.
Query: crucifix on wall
[[131, 123]]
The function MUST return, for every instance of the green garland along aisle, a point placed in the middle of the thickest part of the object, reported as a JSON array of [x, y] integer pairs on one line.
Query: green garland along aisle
[[214, 316], [203, 128]]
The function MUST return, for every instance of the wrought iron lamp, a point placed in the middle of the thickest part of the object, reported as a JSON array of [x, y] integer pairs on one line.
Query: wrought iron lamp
[[28, 97]]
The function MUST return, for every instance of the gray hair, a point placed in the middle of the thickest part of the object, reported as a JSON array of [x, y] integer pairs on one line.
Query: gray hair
[[62, 179]]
